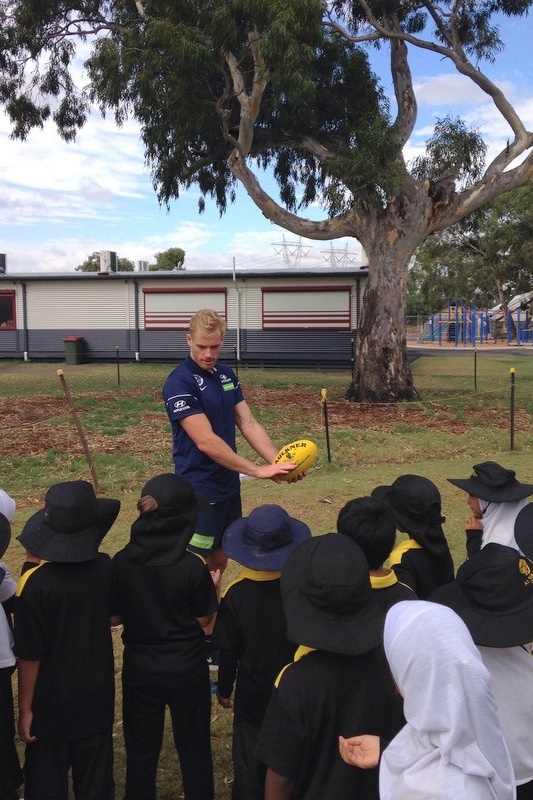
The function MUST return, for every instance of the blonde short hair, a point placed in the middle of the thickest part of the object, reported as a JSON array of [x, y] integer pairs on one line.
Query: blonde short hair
[[207, 320]]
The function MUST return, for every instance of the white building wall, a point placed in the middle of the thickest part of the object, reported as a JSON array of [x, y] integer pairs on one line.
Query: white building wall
[[252, 296], [55, 305]]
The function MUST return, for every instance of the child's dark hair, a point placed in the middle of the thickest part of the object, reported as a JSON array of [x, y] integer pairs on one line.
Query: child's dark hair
[[372, 525], [146, 504]]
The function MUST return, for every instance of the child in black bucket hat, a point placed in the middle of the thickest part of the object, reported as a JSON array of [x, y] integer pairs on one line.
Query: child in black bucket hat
[[422, 561], [251, 632], [64, 647], [493, 594], [165, 597], [495, 497], [339, 679]]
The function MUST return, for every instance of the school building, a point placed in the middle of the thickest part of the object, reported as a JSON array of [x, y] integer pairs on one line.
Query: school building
[[275, 317]]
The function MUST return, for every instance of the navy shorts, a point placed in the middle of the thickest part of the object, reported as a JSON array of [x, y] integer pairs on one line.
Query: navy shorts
[[211, 524]]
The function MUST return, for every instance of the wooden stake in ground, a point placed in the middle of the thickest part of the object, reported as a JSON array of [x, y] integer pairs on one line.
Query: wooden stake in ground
[[324, 395], [81, 432]]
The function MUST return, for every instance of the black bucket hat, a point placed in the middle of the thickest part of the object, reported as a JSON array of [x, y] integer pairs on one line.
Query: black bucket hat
[[416, 503], [264, 539], [159, 537], [494, 483], [493, 594], [523, 530], [72, 524], [327, 597], [174, 494]]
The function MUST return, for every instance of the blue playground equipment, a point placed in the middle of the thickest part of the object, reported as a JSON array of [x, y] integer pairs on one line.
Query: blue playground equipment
[[465, 325]]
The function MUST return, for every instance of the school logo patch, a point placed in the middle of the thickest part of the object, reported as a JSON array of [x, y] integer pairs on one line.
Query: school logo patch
[[525, 568]]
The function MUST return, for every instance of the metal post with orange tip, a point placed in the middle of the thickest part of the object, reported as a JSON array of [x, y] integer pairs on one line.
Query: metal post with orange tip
[[81, 433]]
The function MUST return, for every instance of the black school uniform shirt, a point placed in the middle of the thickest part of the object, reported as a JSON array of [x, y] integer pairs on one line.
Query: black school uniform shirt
[[319, 697], [250, 631], [388, 590], [62, 620], [420, 570], [164, 644]]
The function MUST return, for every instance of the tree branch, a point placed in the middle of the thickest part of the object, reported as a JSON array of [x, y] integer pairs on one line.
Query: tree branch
[[483, 192], [250, 103], [522, 138], [266, 139], [403, 89], [140, 8], [335, 228]]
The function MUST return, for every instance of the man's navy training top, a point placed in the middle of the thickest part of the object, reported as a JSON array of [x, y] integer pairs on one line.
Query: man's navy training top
[[190, 390]]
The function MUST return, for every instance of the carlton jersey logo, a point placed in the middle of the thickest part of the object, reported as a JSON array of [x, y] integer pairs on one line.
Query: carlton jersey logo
[[200, 381]]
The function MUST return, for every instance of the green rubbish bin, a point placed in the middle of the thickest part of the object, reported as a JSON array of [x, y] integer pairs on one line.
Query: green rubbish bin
[[73, 349]]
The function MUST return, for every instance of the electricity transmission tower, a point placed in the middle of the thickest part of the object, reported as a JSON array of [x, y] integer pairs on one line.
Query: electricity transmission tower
[[292, 251], [339, 258]]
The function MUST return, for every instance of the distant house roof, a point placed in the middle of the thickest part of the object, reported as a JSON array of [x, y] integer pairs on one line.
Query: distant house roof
[[513, 305]]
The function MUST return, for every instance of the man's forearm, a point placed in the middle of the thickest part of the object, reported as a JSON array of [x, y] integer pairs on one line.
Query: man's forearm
[[258, 438], [220, 452]]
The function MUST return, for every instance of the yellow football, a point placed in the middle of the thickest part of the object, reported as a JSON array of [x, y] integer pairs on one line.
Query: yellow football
[[303, 452]]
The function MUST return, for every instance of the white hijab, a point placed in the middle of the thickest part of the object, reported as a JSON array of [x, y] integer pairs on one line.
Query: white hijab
[[452, 747], [498, 521]]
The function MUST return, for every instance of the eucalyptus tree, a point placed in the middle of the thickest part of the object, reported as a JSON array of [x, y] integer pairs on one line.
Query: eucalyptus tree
[[169, 260], [92, 264], [230, 91], [483, 260]]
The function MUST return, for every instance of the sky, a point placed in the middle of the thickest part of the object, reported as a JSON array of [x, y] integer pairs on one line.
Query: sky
[[60, 202]]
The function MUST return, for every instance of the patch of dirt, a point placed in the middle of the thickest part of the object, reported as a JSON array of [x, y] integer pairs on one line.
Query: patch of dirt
[[37, 426], [34, 428], [345, 414]]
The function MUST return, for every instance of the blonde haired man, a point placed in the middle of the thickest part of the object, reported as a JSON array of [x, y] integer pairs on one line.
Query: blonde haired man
[[205, 404]]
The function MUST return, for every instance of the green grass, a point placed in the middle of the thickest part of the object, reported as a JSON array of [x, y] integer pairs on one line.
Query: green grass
[[450, 428]]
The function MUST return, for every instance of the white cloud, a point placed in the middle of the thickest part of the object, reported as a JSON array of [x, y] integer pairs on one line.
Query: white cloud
[[60, 202], [446, 90]]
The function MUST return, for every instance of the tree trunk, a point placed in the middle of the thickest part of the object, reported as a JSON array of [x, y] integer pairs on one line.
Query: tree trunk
[[382, 373]]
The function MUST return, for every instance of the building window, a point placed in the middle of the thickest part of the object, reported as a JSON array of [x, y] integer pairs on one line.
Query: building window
[[307, 308], [171, 309], [7, 311]]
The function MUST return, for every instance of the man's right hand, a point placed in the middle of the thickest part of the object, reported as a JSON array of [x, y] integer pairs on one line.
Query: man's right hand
[[275, 472]]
